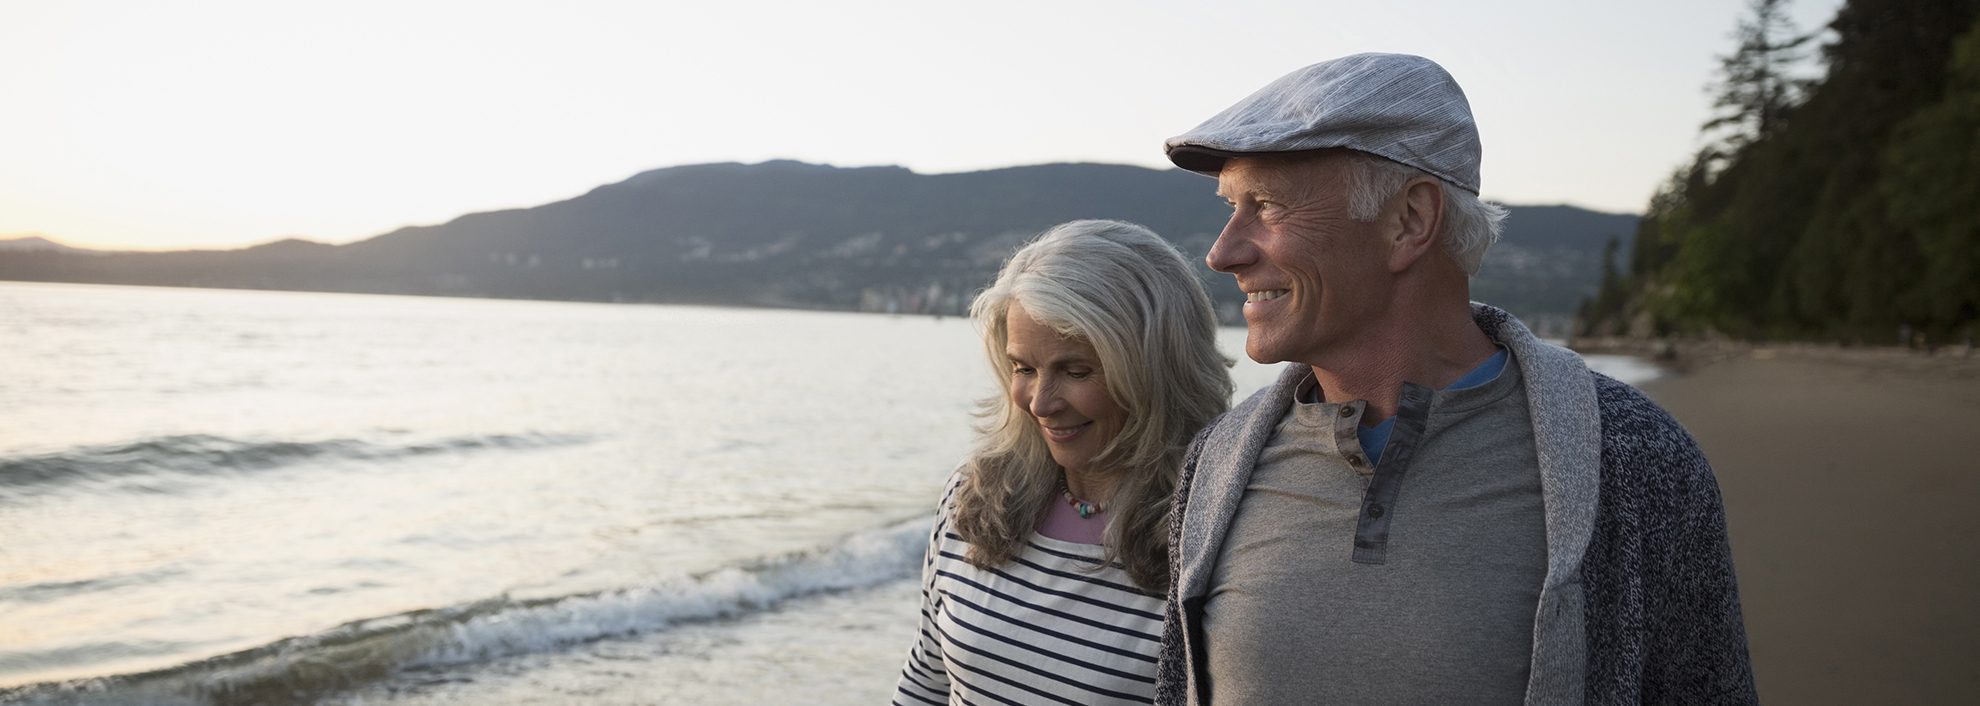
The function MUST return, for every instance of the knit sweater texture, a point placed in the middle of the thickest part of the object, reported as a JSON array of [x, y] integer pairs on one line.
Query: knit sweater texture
[[1639, 604]]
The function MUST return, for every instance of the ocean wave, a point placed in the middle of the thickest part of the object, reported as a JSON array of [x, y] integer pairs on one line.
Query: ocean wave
[[201, 455], [51, 590], [305, 669]]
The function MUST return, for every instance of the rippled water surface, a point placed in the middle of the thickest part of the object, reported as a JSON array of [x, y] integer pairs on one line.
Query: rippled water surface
[[193, 473], [268, 497]]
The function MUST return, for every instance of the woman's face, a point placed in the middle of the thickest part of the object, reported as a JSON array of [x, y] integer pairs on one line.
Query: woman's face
[[1058, 380]]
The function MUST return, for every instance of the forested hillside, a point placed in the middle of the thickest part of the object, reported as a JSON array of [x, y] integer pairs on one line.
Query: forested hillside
[[1844, 206]]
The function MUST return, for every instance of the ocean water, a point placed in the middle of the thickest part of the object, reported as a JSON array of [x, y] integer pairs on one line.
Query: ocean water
[[237, 497]]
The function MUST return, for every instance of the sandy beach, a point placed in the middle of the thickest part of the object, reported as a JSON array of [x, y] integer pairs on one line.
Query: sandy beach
[[1852, 486]]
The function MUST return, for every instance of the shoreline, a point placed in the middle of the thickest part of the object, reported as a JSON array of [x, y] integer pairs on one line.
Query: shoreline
[[1850, 485], [1687, 355]]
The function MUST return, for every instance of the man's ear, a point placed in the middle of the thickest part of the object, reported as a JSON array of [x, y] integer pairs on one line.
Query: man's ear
[[1420, 220]]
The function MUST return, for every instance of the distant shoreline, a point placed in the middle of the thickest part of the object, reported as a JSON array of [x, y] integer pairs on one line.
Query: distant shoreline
[[1687, 355]]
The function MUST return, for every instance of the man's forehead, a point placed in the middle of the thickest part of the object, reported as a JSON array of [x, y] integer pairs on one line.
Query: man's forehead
[[1245, 175], [1269, 174]]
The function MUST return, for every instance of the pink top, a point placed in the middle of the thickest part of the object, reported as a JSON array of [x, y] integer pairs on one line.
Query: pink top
[[1063, 523]]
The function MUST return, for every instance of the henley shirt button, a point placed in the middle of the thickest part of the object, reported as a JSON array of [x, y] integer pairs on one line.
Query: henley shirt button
[[1375, 510], [1347, 411], [1355, 461]]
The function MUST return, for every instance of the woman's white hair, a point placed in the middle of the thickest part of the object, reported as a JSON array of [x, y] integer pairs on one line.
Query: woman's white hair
[[1471, 224], [1130, 294]]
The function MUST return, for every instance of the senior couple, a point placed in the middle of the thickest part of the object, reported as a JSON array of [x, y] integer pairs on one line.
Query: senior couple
[[1430, 505]]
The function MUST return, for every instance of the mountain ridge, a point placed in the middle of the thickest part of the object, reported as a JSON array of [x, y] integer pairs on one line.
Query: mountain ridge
[[796, 234]]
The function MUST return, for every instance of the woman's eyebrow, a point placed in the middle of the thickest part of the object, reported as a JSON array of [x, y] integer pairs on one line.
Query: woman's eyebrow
[[1070, 359]]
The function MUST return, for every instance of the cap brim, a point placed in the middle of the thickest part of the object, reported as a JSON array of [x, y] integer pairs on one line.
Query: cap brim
[[1209, 161], [1200, 159]]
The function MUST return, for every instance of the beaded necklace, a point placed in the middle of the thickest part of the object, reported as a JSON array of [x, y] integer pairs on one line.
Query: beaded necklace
[[1085, 509]]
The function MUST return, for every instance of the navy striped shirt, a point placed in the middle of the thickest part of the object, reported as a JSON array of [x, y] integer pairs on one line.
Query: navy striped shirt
[[1044, 628]]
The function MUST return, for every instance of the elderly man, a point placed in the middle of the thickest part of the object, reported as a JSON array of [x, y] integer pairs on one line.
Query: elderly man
[[1430, 506]]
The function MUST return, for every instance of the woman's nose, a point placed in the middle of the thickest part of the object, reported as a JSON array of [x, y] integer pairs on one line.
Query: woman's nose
[[1045, 401]]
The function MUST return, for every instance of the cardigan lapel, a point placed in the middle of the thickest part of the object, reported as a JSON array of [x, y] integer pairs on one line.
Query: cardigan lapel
[[1223, 469], [1567, 439]]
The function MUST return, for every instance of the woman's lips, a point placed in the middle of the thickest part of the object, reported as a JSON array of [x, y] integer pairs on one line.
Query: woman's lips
[[1064, 434]]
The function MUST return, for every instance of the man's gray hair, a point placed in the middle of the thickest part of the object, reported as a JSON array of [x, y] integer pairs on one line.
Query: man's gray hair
[[1471, 224]]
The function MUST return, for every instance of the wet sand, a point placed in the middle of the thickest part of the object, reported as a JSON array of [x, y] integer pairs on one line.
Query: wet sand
[[1852, 487]]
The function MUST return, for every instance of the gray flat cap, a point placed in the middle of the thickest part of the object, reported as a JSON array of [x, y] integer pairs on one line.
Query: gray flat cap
[[1404, 108]]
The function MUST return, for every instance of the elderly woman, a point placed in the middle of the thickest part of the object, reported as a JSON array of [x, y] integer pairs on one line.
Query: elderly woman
[[1045, 571]]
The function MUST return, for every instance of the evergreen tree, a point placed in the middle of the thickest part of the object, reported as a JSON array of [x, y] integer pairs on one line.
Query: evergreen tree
[[1931, 177], [1757, 89], [1848, 219], [1853, 270]]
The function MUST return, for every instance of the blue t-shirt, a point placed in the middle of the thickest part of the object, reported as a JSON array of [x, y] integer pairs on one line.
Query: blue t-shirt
[[1375, 438]]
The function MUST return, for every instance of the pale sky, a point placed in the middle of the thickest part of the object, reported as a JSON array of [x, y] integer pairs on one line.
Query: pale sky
[[209, 123]]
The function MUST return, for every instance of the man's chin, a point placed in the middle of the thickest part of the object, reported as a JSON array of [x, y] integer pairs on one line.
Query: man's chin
[[1263, 354]]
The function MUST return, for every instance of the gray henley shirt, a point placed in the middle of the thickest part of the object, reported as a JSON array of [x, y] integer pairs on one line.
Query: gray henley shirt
[[1410, 582]]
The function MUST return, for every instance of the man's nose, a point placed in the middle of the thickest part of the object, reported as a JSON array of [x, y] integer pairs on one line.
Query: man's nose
[[1233, 249]]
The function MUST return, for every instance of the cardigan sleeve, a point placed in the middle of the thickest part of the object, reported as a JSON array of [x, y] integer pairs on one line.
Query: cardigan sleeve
[[1172, 665], [1706, 661], [1693, 646]]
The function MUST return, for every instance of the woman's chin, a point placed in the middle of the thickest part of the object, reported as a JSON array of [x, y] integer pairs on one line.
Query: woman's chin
[[1071, 460]]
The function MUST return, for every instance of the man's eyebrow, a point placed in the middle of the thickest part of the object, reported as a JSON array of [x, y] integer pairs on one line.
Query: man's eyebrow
[[1264, 191]]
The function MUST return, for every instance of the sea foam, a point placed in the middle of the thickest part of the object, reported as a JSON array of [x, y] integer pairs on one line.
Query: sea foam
[[302, 669]]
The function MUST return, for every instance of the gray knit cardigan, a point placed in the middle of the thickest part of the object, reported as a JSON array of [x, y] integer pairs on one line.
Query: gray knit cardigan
[[1639, 604]]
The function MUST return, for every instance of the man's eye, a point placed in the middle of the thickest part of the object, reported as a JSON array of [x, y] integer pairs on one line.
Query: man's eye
[[1079, 374], [1022, 370]]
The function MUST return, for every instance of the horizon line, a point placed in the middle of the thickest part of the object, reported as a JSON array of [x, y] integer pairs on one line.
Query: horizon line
[[249, 244]]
